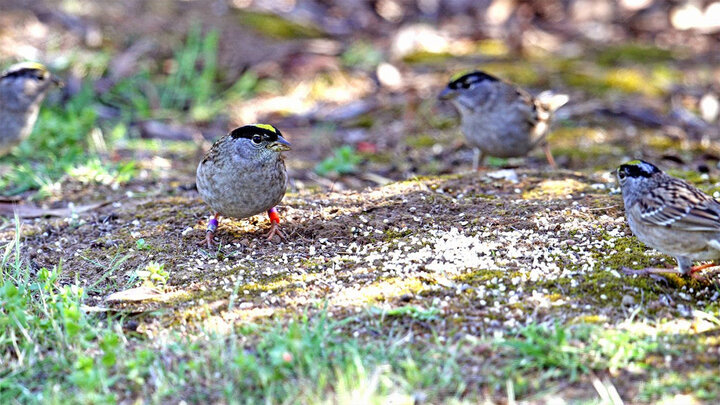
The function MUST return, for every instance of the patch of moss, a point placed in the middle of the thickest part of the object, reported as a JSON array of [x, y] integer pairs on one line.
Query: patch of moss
[[555, 297], [555, 189], [710, 340], [604, 289], [391, 234], [427, 58], [385, 288], [312, 263], [522, 73], [592, 153], [627, 251], [661, 141], [691, 176], [276, 283], [481, 277], [614, 55], [630, 81], [182, 148], [626, 80], [555, 286], [279, 284], [384, 157], [589, 319], [362, 121], [600, 286], [432, 182], [585, 81], [173, 298], [421, 141], [441, 122], [492, 47], [275, 26], [569, 137]]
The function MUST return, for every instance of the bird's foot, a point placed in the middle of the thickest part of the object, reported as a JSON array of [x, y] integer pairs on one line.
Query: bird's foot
[[210, 233], [208, 241], [274, 225], [275, 230]]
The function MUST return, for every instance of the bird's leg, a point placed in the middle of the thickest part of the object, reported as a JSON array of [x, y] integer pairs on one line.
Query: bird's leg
[[699, 267], [274, 225], [549, 156], [477, 159], [695, 270], [210, 233]]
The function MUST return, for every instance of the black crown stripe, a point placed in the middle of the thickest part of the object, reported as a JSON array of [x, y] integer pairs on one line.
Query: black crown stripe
[[23, 72], [639, 169], [248, 131], [473, 77]]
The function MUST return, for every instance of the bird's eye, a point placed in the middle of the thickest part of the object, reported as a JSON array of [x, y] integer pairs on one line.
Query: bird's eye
[[469, 82], [621, 174], [256, 139]]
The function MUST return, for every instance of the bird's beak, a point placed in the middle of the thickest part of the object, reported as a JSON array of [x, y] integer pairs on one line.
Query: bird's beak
[[280, 145], [447, 94], [56, 81]]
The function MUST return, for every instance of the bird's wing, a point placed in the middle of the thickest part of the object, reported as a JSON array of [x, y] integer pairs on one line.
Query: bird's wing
[[551, 101], [215, 150], [677, 204], [521, 102]]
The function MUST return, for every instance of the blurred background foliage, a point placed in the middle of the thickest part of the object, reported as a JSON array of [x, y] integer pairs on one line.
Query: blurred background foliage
[[150, 84]]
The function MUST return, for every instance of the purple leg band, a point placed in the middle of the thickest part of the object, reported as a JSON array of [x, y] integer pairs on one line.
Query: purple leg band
[[212, 224]]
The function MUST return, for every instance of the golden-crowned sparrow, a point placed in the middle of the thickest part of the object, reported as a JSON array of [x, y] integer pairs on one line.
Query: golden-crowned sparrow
[[670, 215], [243, 174], [499, 119], [22, 89]]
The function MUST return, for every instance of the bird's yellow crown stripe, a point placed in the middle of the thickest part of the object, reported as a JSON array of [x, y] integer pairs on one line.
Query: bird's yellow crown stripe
[[458, 75], [267, 127], [27, 65]]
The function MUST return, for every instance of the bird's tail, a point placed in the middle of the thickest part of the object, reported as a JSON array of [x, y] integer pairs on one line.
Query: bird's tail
[[552, 101]]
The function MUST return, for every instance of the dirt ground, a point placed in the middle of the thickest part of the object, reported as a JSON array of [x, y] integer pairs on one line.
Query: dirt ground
[[487, 254]]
